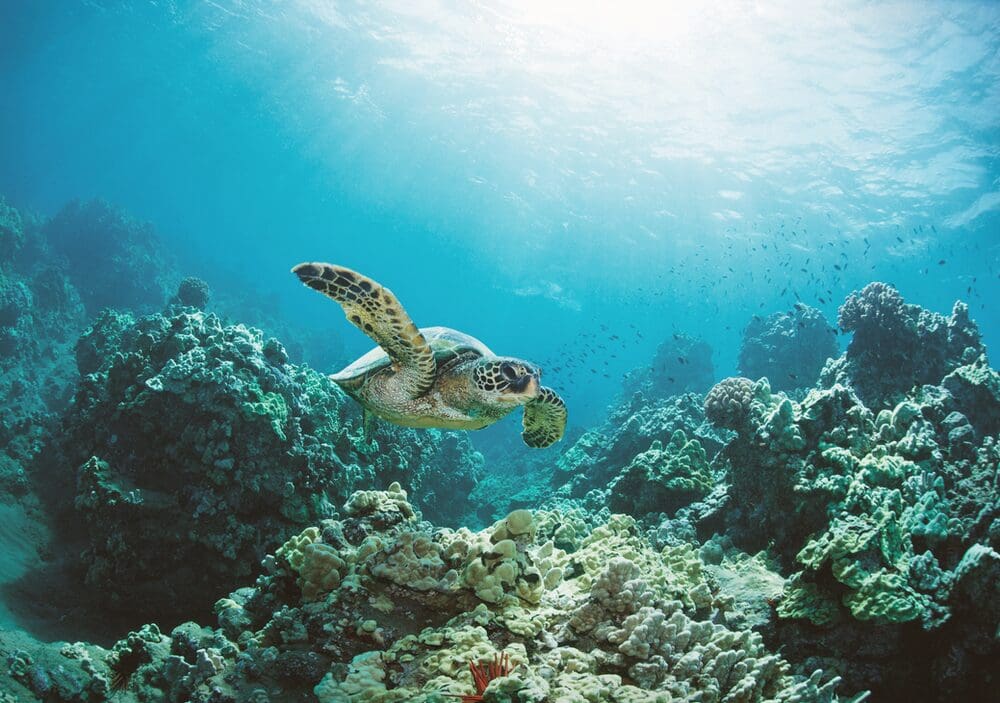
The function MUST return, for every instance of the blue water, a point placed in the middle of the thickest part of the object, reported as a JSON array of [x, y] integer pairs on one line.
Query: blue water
[[528, 175]]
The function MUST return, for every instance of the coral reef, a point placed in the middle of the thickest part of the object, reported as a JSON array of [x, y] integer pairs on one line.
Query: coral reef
[[897, 346], [663, 478], [728, 403], [54, 274], [727, 547], [788, 348], [876, 517], [601, 454], [200, 446], [411, 606]]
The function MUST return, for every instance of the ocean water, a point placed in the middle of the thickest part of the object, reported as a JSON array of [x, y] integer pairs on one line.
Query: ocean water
[[641, 200]]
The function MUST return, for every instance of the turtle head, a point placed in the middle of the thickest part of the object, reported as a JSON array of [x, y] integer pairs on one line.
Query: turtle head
[[506, 380]]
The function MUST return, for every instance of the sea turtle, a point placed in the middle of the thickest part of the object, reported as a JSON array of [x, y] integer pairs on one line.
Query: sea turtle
[[433, 376]]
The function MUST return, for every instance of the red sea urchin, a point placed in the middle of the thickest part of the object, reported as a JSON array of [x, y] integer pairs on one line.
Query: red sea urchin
[[482, 674]]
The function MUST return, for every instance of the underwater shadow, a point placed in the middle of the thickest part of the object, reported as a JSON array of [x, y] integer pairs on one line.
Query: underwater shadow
[[43, 589]]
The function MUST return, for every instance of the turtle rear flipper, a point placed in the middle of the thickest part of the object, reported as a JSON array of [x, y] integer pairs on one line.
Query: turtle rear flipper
[[374, 310], [544, 419]]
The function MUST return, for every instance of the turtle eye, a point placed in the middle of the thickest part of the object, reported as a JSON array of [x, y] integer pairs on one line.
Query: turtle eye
[[508, 371]]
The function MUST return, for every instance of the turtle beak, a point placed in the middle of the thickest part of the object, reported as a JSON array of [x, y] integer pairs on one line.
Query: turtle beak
[[535, 386], [531, 385], [526, 385]]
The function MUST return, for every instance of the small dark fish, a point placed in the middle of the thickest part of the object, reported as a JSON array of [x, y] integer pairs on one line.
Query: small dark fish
[[899, 239], [942, 262], [681, 360], [671, 379]]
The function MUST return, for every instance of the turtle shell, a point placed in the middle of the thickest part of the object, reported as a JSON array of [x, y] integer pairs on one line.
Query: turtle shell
[[446, 343]]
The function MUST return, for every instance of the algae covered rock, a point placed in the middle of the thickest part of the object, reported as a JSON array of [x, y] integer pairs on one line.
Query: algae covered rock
[[897, 346], [199, 447], [616, 621], [663, 478]]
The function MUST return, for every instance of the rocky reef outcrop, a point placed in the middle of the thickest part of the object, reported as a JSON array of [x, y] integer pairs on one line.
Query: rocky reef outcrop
[[41, 314], [629, 439], [878, 518], [788, 348], [897, 346], [55, 274], [197, 446]]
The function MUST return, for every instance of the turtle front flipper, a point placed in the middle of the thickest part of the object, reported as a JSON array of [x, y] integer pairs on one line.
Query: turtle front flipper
[[374, 310], [544, 419]]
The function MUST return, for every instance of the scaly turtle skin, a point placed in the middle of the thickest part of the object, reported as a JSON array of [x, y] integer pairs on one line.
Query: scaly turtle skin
[[433, 376]]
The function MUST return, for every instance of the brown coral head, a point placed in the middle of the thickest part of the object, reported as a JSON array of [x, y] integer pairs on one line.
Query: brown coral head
[[876, 305], [728, 403]]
